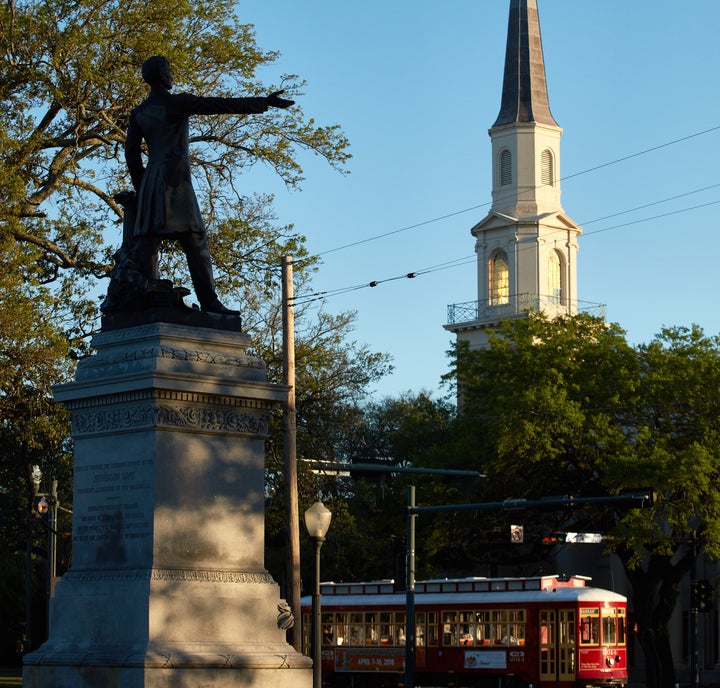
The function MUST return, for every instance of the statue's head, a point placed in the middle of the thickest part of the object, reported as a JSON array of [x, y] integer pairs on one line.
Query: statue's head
[[156, 72]]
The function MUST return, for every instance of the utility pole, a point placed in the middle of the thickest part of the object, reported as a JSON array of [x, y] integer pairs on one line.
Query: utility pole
[[290, 453], [694, 655], [410, 628]]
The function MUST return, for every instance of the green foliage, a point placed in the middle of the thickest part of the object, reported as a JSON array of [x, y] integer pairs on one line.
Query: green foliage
[[676, 440], [402, 431], [546, 403], [70, 79], [566, 406]]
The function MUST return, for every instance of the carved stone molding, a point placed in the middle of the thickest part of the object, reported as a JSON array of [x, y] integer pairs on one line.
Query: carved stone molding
[[210, 420], [171, 395], [109, 360], [99, 421], [173, 575], [212, 576], [213, 357], [155, 414]]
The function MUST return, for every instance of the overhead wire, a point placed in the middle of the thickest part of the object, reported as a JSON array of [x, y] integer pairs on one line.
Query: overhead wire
[[316, 296], [654, 217], [299, 300], [473, 258], [488, 203]]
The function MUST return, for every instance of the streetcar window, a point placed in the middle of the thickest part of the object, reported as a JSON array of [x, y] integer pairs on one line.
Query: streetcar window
[[386, 628], [432, 629], [449, 622], [327, 629], [468, 629], [371, 637], [566, 641], [373, 628], [589, 626], [484, 634], [356, 629], [613, 626], [341, 628], [499, 627], [419, 628], [400, 637], [516, 626], [609, 627]]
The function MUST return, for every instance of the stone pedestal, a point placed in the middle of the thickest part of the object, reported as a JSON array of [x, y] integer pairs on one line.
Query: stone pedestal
[[168, 587]]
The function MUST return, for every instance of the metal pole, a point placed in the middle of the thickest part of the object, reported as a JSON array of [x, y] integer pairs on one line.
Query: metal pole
[[290, 453], [317, 620], [52, 555], [694, 670], [52, 547], [27, 643], [410, 591]]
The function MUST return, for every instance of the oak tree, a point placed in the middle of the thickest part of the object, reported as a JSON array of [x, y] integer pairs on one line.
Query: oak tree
[[567, 406]]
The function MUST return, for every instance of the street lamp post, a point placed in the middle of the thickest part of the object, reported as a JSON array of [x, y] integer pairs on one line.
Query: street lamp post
[[50, 507], [317, 522], [48, 504]]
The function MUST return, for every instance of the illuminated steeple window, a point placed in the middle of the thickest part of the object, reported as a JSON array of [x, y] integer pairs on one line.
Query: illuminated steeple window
[[499, 274], [554, 272]]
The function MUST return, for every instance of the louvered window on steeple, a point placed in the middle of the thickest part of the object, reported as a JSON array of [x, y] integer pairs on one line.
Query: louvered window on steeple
[[505, 168], [547, 173], [499, 279]]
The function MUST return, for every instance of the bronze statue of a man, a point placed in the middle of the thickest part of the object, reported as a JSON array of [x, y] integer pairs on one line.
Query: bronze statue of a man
[[167, 207]]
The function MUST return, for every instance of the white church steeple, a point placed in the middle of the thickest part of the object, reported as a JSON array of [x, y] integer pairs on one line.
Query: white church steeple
[[525, 137], [526, 246]]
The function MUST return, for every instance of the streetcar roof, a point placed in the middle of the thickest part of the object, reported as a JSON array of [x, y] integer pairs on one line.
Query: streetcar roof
[[472, 590], [563, 595]]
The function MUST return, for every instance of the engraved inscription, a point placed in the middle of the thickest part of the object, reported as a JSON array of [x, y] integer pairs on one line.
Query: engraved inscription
[[114, 514]]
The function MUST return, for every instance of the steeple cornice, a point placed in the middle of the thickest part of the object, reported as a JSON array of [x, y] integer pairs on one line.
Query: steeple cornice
[[524, 95]]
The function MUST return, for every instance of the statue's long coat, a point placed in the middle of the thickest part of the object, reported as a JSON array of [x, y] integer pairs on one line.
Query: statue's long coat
[[167, 204]]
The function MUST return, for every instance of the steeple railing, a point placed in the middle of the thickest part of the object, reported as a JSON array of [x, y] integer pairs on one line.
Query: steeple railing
[[517, 306]]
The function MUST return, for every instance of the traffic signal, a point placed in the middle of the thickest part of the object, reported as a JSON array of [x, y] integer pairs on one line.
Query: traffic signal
[[701, 595], [554, 539]]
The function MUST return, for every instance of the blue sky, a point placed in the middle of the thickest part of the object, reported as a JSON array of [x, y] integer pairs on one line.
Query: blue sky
[[415, 85]]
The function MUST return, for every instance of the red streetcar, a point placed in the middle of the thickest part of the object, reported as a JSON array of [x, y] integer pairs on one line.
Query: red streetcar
[[544, 632]]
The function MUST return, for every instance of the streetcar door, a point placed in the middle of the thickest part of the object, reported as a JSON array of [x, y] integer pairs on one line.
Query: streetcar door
[[557, 645]]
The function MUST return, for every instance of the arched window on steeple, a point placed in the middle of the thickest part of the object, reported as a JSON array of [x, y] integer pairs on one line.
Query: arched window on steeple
[[499, 279], [554, 277], [505, 168], [547, 168]]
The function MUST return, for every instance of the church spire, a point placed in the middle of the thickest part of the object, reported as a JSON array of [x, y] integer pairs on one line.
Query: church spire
[[524, 95], [526, 245]]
